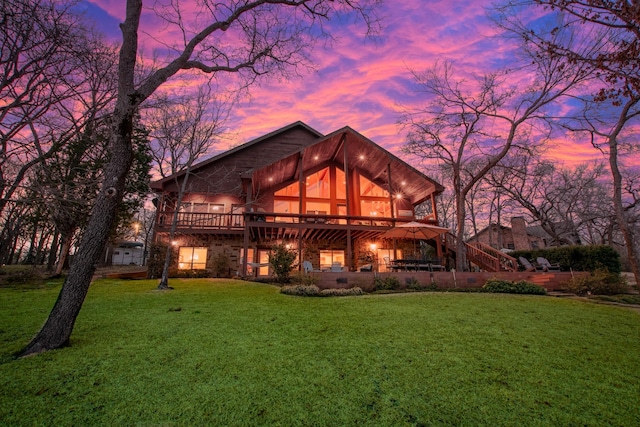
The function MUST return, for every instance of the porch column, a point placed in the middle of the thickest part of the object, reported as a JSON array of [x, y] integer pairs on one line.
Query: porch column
[[348, 199], [302, 193], [391, 195], [245, 243]]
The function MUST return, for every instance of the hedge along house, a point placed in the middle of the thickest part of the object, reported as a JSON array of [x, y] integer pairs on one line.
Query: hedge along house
[[329, 197]]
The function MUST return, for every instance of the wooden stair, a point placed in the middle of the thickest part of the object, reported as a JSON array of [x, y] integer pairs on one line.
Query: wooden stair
[[484, 256]]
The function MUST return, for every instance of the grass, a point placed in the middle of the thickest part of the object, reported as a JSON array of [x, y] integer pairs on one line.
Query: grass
[[214, 352]]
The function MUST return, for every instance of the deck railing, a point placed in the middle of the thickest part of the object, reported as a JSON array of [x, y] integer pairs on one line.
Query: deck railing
[[203, 221], [484, 256], [208, 221]]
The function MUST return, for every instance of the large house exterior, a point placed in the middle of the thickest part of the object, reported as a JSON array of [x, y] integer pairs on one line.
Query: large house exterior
[[328, 197]]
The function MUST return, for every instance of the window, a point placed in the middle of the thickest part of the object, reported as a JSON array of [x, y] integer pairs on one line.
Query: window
[[375, 208], [323, 191], [286, 206], [369, 189], [374, 200], [328, 257], [291, 190], [319, 184], [192, 258], [315, 208], [341, 184], [202, 207]]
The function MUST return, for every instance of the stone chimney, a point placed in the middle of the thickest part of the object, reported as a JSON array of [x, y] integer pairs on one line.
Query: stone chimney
[[519, 231]]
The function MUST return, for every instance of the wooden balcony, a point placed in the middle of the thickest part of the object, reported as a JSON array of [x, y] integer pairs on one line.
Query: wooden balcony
[[272, 225]]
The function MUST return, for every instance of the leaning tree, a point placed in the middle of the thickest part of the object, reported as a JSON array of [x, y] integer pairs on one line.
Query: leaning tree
[[244, 37]]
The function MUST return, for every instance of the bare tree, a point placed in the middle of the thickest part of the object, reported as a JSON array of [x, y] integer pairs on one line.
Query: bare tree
[[268, 36], [186, 128], [563, 201], [612, 30], [472, 130], [54, 78]]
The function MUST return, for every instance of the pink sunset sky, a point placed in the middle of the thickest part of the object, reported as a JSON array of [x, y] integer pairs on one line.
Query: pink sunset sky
[[361, 83]]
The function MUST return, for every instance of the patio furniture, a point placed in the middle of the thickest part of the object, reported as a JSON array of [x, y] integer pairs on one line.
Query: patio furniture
[[528, 266], [308, 267], [336, 267], [367, 267], [546, 265]]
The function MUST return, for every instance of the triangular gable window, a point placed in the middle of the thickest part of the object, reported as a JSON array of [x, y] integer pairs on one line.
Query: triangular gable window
[[369, 189], [291, 190]]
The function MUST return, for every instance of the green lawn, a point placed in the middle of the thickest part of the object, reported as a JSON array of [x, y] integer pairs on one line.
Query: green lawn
[[235, 353]]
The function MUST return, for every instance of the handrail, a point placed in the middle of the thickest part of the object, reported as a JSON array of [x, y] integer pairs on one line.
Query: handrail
[[484, 256], [506, 262], [238, 220]]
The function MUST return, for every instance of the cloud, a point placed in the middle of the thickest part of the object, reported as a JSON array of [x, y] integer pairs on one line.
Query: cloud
[[359, 82]]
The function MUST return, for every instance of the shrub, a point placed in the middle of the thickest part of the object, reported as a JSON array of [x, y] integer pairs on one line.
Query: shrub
[[598, 283], [578, 258], [341, 292], [189, 274], [221, 264], [413, 284], [389, 283], [301, 290], [314, 291], [154, 265], [20, 275], [282, 260], [508, 287]]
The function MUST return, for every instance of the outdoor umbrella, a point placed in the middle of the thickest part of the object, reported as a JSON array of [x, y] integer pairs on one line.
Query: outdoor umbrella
[[414, 230]]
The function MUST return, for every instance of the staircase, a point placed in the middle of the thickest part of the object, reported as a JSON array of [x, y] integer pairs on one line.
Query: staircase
[[484, 256]]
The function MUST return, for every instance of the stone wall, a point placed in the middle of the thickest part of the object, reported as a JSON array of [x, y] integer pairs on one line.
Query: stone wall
[[448, 279]]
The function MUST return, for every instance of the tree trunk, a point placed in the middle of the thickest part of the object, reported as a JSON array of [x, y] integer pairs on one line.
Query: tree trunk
[[626, 231], [461, 252], [58, 327], [57, 330], [53, 251], [65, 246]]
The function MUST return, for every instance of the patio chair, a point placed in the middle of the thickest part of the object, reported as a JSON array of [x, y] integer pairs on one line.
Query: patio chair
[[367, 267], [336, 267], [546, 265], [308, 267], [527, 265]]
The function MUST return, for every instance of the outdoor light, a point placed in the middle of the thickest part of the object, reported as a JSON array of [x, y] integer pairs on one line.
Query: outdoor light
[[404, 182], [174, 243], [373, 246], [361, 156], [316, 157], [399, 196]]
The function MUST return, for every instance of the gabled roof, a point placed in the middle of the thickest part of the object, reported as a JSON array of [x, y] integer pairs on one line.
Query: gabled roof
[[243, 147], [361, 152], [311, 149]]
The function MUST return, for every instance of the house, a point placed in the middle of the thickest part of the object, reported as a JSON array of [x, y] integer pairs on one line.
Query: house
[[328, 197], [522, 237]]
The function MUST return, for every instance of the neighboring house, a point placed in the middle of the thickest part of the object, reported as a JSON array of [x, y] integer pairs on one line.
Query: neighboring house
[[521, 237], [329, 197], [127, 253]]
